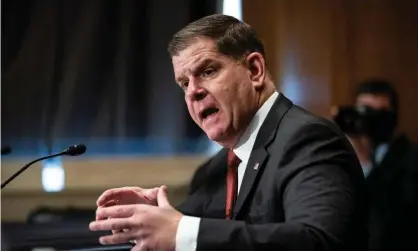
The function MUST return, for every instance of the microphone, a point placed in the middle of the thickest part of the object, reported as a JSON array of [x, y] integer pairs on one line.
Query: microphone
[[6, 150], [73, 150]]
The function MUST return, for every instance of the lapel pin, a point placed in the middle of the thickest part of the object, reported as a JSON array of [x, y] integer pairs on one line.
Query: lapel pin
[[256, 166]]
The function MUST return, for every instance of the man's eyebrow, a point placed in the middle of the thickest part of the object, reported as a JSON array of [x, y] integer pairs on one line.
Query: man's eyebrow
[[179, 78], [203, 64]]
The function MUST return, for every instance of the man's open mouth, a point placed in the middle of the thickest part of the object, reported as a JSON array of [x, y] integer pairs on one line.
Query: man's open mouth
[[206, 113]]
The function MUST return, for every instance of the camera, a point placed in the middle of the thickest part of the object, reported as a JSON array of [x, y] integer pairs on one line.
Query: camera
[[378, 124]]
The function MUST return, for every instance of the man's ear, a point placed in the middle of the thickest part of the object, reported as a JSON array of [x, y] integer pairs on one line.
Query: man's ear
[[257, 66]]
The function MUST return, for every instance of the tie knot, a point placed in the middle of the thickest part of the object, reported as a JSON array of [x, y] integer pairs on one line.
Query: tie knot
[[233, 160]]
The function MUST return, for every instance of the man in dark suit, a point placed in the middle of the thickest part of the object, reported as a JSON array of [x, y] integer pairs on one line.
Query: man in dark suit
[[285, 180], [391, 169]]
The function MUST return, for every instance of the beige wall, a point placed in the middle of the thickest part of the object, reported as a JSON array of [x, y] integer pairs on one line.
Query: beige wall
[[86, 179]]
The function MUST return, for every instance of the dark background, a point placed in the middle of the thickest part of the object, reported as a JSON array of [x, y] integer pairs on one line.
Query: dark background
[[96, 72]]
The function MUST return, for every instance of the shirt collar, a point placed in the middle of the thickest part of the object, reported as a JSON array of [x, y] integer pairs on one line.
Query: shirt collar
[[246, 142]]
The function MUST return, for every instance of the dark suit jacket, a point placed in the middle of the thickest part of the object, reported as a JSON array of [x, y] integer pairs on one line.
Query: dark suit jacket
[[393, 198], [308, 192]]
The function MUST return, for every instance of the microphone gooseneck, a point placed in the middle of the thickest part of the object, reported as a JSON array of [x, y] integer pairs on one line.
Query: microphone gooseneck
[[73, 150]]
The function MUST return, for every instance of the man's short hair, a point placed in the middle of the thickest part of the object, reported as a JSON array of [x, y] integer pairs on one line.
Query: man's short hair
[[377, 86], [233, 38]]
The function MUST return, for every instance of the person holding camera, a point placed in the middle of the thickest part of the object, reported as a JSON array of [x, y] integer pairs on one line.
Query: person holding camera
[[390, 165]]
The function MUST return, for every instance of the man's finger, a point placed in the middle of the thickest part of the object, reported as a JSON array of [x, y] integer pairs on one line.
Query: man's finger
[[118, 211], [118, 231], [108, 204], [112, 194], [162, 197], [142, 245], [149, 195], [118, 238], [106, 196], [111, 224]]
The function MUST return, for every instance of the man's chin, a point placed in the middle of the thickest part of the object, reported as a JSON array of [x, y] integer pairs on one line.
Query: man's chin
[[214, 134], [219, 136]]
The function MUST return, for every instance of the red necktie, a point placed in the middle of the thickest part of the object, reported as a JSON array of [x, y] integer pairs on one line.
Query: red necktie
[[231, 183]]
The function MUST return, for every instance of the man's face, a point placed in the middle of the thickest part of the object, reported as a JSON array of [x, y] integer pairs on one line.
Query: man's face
[[220, 92], [377, 102]]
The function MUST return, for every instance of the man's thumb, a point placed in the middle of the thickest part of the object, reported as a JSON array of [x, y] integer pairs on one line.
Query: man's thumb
[[162, 197]]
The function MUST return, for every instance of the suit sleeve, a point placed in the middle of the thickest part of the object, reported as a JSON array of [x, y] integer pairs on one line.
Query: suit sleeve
[[199, 177], [211, 171], [319, 200]]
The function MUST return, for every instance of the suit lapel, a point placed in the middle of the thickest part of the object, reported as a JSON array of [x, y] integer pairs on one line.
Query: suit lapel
[[259, 154], [399, 146], [254, 166]]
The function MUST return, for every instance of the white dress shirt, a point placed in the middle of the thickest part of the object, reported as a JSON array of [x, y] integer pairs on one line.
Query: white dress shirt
[[379, 154], [188, 228]]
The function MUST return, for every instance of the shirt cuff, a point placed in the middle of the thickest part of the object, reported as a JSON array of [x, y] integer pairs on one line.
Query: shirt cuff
[[187, 231]]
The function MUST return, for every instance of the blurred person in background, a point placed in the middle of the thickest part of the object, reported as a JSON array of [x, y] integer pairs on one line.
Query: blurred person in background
[[285, 179], [390, 164]]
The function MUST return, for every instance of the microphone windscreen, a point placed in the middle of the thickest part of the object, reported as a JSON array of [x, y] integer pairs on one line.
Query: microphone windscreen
[[75, 150]]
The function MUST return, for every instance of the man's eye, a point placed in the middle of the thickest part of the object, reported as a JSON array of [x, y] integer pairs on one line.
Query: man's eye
[[184, 85], [208, 72]]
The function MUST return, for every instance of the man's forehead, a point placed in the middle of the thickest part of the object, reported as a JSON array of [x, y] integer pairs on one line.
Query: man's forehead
[[193, 55], [196, 47], [374, 100]]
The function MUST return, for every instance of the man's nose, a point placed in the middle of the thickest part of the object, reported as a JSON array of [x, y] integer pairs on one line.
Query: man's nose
[[196, 93]]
